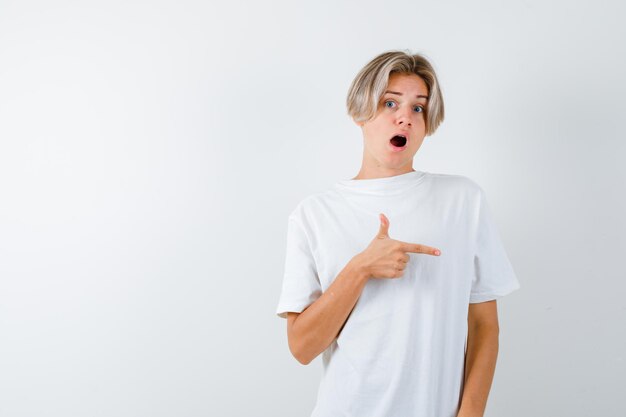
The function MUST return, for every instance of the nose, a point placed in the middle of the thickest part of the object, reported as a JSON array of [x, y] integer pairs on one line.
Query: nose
[[403, 117]]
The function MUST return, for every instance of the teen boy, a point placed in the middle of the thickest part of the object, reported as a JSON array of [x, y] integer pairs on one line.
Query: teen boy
[[393, 275]]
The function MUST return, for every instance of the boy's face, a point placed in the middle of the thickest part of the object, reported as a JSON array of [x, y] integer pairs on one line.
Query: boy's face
[[401, 111]]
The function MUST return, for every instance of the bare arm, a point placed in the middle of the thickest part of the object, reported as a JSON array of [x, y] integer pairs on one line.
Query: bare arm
[[313, 330], [481, 356]]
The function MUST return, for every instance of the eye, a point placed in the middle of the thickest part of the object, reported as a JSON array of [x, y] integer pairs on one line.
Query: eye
[[419, 109], [389, 101]]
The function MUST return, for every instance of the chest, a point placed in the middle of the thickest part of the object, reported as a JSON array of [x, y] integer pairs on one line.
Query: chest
[[344, 231]]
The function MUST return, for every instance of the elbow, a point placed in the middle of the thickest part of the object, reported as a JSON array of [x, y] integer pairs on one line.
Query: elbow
[[303, 361], [299, 342], [300, 356]]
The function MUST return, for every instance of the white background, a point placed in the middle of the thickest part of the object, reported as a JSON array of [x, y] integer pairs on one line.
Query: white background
[[150, 153]]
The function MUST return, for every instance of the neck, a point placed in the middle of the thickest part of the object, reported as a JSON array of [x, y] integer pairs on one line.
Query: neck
[[371, 172]]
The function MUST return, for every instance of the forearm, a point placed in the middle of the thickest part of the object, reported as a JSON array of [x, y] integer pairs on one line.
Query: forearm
[[480, 365], [319, 324]]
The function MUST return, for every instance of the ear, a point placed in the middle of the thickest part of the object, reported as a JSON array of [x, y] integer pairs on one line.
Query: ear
[[360, 124]]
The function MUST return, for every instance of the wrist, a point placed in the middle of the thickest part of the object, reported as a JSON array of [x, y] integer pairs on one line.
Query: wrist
[[359, 268]]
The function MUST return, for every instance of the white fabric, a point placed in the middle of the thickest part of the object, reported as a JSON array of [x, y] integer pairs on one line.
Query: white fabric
[[402, 349]]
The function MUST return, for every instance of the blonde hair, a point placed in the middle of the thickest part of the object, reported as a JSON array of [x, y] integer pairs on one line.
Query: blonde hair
[[370, 83]]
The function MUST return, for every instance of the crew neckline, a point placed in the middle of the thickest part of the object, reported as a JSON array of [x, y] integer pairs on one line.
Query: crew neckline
[[382, 186]]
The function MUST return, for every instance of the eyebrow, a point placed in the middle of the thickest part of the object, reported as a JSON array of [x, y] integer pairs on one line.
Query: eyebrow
[[399, 94]]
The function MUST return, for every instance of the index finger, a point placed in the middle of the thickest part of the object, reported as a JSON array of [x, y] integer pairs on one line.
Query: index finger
[[417, 248]]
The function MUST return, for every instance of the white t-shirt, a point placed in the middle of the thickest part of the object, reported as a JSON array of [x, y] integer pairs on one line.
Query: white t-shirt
[[402, 350]]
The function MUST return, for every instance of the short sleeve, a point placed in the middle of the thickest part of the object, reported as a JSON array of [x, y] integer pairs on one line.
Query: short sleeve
[[494, 276], [301, 284]]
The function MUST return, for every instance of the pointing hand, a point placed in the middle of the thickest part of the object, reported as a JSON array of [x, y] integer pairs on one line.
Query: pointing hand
[[386, 257]]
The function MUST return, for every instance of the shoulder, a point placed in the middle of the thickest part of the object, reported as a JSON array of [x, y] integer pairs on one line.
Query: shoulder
[[459, 185], [311, 206]]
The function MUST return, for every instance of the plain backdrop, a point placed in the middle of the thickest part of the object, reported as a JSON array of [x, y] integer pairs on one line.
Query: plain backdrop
[[150, 153]]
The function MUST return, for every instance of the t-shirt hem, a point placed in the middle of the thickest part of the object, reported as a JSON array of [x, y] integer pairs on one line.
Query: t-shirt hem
[[293, 308], [493, 295]]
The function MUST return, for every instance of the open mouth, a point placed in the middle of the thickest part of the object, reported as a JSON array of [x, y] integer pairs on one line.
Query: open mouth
[[398, 141]]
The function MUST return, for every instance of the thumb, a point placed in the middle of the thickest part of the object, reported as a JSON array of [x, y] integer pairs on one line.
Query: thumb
[[384, 226]]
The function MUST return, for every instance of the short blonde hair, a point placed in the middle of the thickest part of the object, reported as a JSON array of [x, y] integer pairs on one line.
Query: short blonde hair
[[370, 83]]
